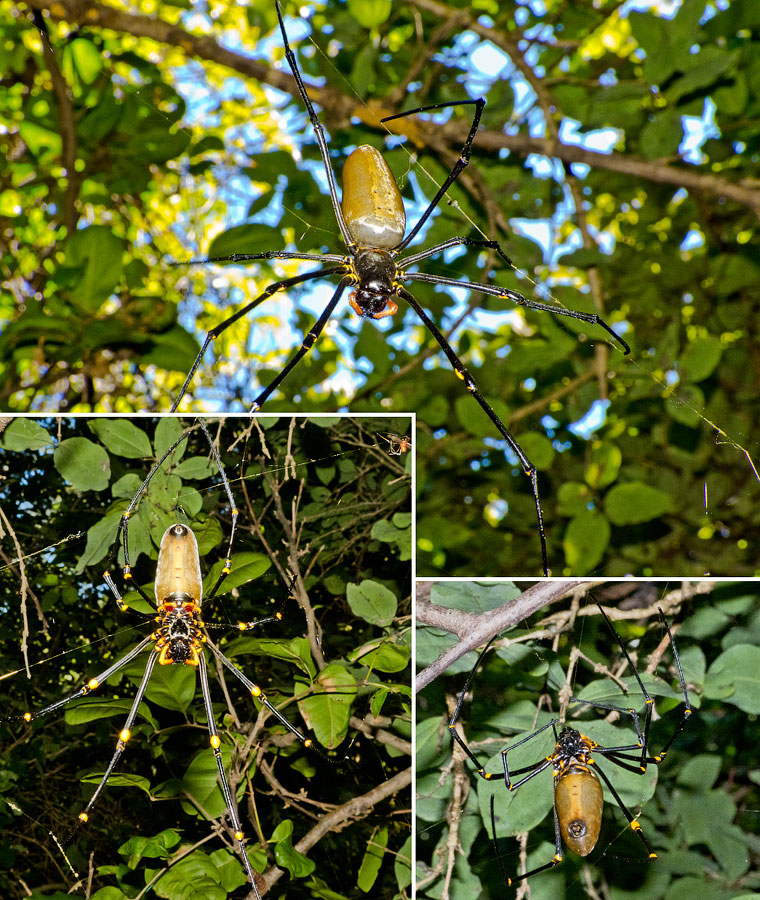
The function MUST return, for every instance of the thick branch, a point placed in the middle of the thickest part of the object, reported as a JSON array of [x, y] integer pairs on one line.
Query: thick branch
[[341, 107]]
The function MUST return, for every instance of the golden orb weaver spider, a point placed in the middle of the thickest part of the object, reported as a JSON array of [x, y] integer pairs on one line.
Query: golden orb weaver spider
[[372, 222], [280, 445], [577, 795]]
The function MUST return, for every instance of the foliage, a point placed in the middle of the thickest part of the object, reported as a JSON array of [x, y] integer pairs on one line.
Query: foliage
[[697, 808], [178, 146], [310, 493]]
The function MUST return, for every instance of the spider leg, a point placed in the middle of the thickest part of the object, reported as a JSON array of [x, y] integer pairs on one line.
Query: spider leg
[[233, 512], [248, 626], [266, 254], [459, 165], [123, 530], [458, 366], [124, 735], [92, 684], [215, 746], [556, 860], [515, 297], [455, 242], [214, 333], [256, 692], [308, 342], [318, 133], [631, 820]]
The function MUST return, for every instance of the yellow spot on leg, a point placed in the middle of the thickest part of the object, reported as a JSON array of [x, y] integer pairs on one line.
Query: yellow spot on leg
[[239, 835], [256, 690], [83, 817], [27, 716], [125, 734], [214, 741]]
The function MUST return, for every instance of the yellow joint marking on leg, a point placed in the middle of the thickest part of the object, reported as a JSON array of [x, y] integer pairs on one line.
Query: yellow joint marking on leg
[[558, 857], [93, 683], [125, 734], [308, 743], [226, 570], [127, 575], [635, 825], [653, 855], [509, 881], [278, 616], [242, 626], [239, 835], [28, 716], [256, 690], [83, 817], [649, 701], [687, 711], [658, 758], [214, 741]]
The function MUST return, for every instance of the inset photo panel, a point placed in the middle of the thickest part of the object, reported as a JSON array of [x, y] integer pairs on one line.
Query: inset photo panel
[[206, 645], [587, 739]]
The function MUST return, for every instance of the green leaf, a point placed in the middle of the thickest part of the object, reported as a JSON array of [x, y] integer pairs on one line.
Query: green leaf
[[634, 503], [98, 256], [246, 567], [700, 359], [328, 711], [286, 854], [201, 782], [382, 656], [84, 464], [372, 602], [734, 677], [603, 464], [122, 438], [373, 859], [586, 538], [25, 434]]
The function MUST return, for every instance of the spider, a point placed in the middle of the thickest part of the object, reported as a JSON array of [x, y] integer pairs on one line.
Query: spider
[[372, 222], [397, 444], [577, 797], [180, 637]]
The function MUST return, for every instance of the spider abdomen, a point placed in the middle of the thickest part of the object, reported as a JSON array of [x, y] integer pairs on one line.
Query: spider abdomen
[[371, 203], [178, 570], [578, 801]]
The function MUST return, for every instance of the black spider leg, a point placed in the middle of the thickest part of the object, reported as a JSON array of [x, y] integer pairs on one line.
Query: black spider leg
[[259, 695], [123, 529], [215, 742], [310, 338], [248, 626], [632, 821], [124, 734], [266, 254], [318, 133], [617, 757], [459, 165], [481, 243], [490, 776], [469, 382], [123, 532], [214, 333], [234, 512], [92, 684], [515, 297], [556, 859]]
